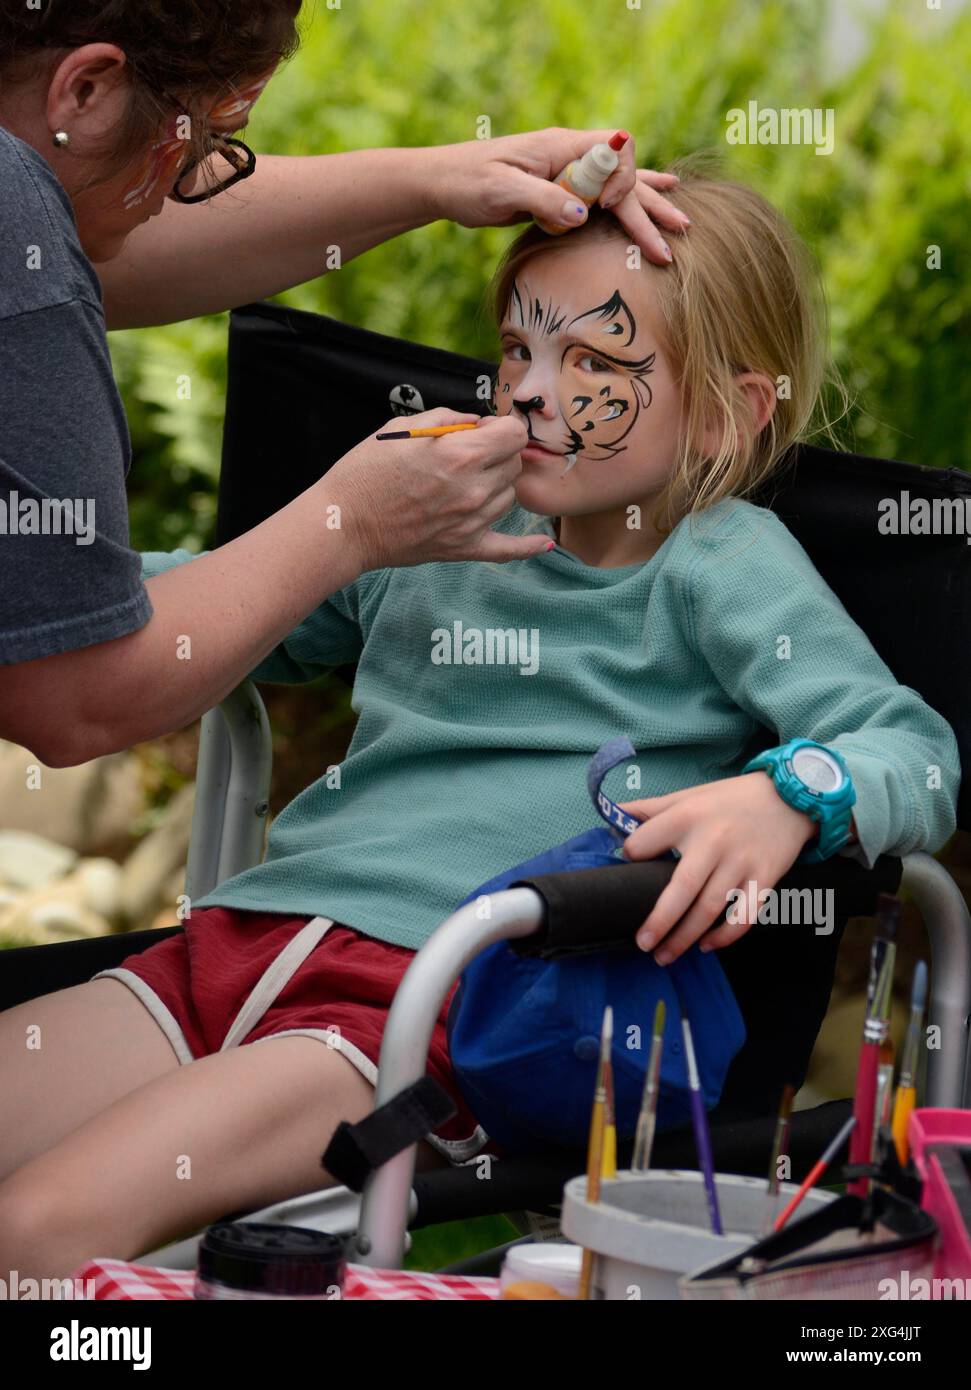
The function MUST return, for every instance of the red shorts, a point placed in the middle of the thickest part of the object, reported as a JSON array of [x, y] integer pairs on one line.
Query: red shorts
[[234, 977]]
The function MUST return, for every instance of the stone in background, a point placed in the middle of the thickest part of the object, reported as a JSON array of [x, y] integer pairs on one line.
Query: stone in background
[[71, 863]]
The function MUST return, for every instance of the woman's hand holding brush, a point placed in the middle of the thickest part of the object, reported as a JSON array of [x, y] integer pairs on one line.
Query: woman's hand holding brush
[[409, 501]]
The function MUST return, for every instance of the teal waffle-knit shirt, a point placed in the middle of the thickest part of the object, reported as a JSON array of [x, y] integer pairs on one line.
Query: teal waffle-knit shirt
[[459, 769]]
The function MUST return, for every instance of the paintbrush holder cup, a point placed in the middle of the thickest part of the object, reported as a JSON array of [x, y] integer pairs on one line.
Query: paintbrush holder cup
[[650, 1229]]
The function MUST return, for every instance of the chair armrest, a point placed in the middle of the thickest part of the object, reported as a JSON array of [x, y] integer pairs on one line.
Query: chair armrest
[[601, 909], [404, 1050], [232, 791]]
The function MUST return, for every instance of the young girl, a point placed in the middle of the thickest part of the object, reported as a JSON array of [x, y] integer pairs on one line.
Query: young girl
[[668, 609]]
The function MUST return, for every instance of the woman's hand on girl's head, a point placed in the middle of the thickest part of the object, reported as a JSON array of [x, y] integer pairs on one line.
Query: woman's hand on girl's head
[[730, 834], [498, 182]]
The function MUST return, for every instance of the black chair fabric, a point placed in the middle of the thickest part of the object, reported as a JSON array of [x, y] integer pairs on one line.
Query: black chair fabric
[[27, 972]]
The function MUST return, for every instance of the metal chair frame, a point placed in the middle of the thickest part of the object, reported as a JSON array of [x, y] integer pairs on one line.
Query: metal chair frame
[[227, 836]]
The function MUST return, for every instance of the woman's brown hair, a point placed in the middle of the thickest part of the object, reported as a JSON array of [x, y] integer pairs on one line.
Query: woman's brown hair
[[176, 50], [743, 294]]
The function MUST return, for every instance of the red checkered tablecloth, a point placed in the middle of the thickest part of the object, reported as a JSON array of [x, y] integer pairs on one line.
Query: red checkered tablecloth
[[114, 1279]]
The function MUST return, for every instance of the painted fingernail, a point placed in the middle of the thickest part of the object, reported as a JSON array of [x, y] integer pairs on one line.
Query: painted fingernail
[[667, 251], [608, 203], [574, 212], [551, 545]]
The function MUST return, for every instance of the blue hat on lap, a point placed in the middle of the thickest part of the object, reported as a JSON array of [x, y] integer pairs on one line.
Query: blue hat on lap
[[524, 1033]]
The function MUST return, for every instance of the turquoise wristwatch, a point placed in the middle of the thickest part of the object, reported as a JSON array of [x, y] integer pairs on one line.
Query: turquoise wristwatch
[[816, 780]]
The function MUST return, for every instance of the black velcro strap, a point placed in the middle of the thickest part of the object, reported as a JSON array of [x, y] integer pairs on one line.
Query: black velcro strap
[[356, 1150]]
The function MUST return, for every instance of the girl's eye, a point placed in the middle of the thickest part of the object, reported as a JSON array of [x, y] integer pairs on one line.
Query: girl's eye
[[598, 364], [512, 349]]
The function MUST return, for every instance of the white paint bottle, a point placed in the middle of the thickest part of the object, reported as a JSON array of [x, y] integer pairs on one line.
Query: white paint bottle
[[584, 178]]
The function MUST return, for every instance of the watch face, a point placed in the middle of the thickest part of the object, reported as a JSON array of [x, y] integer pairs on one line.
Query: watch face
[[819, 771]]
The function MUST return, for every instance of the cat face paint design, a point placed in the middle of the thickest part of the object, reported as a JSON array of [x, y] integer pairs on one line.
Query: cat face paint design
[[600, 389]]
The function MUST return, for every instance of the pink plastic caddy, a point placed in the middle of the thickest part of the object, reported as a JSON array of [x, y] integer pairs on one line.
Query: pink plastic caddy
[[940, 1142]]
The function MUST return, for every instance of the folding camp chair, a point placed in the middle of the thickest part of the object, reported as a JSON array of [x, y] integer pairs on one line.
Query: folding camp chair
[[303, 389]]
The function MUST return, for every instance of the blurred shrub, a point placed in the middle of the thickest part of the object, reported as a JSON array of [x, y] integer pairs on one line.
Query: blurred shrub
[[383, 74]]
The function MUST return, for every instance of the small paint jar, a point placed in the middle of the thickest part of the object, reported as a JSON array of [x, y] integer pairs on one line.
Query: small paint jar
[[260, 1260], [553, 1263]]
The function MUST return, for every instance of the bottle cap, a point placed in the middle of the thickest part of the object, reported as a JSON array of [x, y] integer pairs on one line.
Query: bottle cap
[[263, 1258], [529, 1291], [599, 161]]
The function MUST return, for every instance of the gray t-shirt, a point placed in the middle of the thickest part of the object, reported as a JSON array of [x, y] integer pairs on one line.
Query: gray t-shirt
[[68, 576]]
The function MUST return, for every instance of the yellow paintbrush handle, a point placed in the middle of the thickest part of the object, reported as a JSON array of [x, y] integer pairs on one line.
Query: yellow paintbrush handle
[[902, 1106], [434, 430], [608, 1168]]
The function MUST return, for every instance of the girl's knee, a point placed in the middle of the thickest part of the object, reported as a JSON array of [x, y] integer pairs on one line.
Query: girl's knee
[[38, 1233]]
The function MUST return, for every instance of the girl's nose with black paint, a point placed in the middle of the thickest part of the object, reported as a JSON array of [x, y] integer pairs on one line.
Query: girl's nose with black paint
[[534, 403]]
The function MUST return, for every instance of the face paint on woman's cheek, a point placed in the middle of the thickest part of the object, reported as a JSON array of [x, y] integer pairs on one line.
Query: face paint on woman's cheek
[[162, 163], [167, 155], [238, 104]]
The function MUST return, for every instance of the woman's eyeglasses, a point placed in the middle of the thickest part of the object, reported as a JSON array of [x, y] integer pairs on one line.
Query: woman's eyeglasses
[[240, 156]]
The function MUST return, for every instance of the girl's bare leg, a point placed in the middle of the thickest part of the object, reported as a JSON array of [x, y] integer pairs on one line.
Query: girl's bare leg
[[66, 1056], [231, 1132]]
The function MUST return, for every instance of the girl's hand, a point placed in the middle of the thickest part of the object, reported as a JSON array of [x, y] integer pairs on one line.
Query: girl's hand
[[495, 183], [729, 833]]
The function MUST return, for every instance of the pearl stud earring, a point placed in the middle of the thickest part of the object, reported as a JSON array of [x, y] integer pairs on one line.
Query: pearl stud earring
[[61, 140]]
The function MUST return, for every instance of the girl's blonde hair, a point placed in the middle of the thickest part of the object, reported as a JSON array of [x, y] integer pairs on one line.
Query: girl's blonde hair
[[743, 294]]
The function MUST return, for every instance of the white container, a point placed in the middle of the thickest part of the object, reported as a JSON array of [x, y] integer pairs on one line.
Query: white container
[[547, 1262], [649, 1229], [584, 178]]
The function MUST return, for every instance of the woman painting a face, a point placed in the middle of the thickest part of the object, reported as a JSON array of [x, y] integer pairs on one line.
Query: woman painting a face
[[112, 134], [118, 126]]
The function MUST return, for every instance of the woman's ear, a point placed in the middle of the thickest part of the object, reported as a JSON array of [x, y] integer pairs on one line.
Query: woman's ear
[[91, 80]]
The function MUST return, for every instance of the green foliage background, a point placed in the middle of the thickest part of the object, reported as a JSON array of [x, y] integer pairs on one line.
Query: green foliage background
[[377, 73]]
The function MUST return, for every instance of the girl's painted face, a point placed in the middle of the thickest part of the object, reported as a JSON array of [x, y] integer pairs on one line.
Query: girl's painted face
[[584, 368]]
